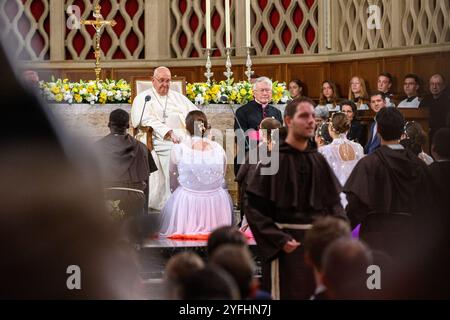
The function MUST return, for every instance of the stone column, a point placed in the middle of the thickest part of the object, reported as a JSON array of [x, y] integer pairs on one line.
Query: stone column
[[157, 29], [239, 23], [397, 8], [57, 31]]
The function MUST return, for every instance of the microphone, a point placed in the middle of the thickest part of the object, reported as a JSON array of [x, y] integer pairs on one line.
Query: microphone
[[224, 99], [147, 99]]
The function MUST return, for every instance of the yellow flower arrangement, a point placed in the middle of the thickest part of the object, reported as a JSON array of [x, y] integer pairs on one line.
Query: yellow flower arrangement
[[231, 92], [108, 91]]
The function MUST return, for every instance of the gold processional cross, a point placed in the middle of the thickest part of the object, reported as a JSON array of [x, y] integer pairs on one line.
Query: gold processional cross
[[98, 24]]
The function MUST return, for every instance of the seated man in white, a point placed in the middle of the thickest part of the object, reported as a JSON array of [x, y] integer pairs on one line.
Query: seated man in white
[[199, 203], [411, 87], [165, 113]]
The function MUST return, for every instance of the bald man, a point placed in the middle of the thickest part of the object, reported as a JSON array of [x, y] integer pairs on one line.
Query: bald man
[[438, 102], [165, 113]]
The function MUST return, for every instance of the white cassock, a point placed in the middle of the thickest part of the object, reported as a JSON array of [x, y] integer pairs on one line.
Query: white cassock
[[162, 114]]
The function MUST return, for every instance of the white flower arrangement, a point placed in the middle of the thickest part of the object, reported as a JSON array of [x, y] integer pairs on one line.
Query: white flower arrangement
[[108, 91]]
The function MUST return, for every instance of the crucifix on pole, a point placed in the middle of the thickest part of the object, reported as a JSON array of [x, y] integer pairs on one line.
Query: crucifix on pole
[[98, 25]]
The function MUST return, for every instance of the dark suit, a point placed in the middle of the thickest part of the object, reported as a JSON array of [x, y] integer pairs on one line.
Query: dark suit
[[439, 111], [373, 142], [357, 133], [250, 117]]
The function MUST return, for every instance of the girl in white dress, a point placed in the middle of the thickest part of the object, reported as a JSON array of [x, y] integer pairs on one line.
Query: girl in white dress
[[342, 154], [199, 202]]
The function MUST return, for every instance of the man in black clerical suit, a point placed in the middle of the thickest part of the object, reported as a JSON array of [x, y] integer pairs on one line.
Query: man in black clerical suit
[[249, 116], [438, 102]]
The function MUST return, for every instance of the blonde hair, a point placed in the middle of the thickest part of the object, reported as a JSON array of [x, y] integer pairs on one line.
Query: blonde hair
[[364, 96]]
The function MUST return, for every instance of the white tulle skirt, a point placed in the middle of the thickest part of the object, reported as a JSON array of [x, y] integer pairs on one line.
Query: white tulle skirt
[[193, 215]]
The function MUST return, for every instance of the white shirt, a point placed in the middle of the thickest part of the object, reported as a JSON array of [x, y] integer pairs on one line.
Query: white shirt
[[332, 108], [413, 104], [363, 106]]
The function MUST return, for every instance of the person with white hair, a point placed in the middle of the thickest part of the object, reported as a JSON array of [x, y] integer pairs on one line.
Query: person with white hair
[[249, 116], [165, 112]]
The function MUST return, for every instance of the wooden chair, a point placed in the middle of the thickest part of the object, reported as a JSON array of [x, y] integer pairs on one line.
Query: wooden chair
[[140, 84]]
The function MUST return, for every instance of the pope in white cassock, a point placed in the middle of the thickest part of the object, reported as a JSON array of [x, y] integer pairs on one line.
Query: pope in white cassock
[[165, 113]]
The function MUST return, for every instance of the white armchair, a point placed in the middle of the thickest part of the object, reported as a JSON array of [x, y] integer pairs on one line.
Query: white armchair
[[140, 84]]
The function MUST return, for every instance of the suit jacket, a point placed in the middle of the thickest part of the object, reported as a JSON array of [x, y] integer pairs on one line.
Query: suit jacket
[[251, 115], [374, 141], [357, 133]]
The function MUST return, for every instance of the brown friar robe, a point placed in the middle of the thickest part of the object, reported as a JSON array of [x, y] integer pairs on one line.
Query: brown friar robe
[[387, 192], [281, 207], [127, 164]]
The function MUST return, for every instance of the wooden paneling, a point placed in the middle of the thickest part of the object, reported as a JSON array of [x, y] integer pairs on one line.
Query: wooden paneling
[[341, 75], [269, 70], [128, 74], [369, 71], [312, 75], [218, 71], [84, 74], [190, 73], [426, 65], [46, 75], [399, 67]]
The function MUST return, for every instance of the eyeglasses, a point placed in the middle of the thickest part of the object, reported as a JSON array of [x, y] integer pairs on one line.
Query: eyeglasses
[[166, 81], [264, 90]]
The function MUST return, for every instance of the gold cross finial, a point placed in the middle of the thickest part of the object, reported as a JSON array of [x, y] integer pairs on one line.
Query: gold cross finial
[[98, 24]]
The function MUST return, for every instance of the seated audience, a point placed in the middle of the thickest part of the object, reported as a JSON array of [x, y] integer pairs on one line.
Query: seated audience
[[344, 269], [296, 89], [323, 232], [357, 93], [357, 132], [377, 103], [179, 269], [209, 283], [384, 85], [411, 87], [223, 236], [321, 115], [329, 96], [438, 102], [238, 262]]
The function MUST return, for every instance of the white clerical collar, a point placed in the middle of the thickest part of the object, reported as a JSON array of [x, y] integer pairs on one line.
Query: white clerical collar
[[262, 105]]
